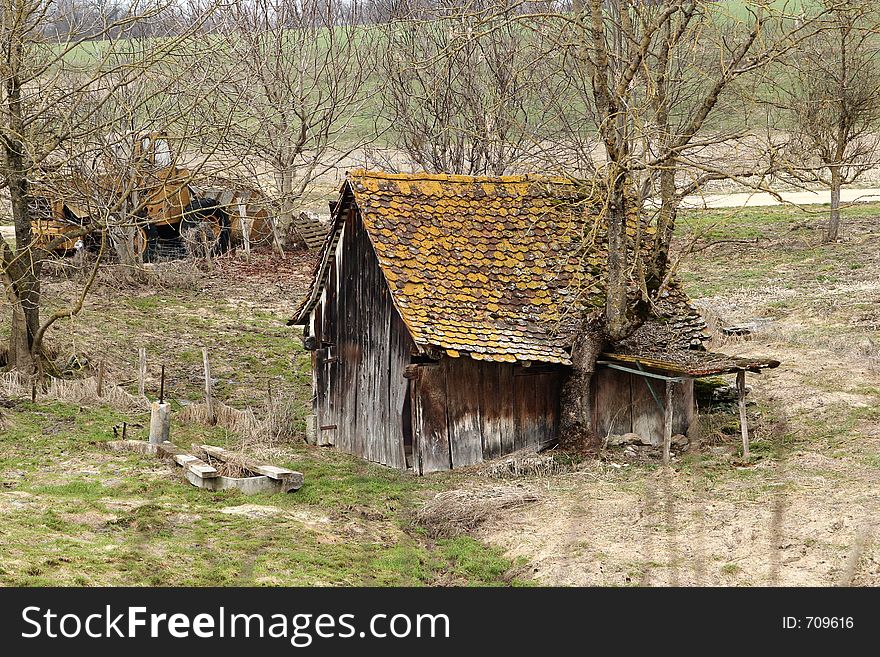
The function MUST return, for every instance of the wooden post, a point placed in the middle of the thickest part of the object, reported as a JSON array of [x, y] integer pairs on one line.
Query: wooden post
[[743, 420], [208, 244], [667, 423], [142, 370], [312, 429], [275, 238], [245, 228], [34, 390], [160, 422], [209, 395], [100, 384]]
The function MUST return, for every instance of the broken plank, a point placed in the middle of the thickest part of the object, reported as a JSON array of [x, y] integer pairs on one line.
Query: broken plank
[[217, 452], [272, 471], [202, 469]]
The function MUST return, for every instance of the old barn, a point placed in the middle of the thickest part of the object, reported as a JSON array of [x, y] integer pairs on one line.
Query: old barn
[[441, 318]]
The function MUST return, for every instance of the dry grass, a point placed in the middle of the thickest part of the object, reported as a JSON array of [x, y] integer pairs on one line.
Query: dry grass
[[528, 464], [78, 391], [244, 423], [275, 424], [460, 511], [173, 275], [236, 465]]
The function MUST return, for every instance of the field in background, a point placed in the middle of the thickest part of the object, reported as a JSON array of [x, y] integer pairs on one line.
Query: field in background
[[73, 513]]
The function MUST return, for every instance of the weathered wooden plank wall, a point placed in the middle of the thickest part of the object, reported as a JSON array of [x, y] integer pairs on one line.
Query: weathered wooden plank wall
[[400, 346], [647, 413], [623, 403], [362, 350], [466, 411], [463, 411], [429, 419]]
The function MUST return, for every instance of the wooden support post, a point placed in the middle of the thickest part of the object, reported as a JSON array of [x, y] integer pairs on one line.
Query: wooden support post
[[34, 390], [142, 370], [160, 423], [100, 384], [667, 424], [209, 394], [743, 420], [276, 240], [312, 429], [245, 229]]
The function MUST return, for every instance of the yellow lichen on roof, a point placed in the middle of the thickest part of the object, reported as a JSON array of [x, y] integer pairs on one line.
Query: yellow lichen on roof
[[485, 266], [497, 268]]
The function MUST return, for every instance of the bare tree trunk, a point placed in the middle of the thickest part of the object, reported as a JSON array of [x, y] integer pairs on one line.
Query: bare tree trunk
[[23, 275], [284, 180], [576, 409], [834, 219], [615, 304], [665, 227]]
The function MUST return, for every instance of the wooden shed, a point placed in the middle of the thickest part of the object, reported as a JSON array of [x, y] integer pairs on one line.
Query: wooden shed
[[441, 317]]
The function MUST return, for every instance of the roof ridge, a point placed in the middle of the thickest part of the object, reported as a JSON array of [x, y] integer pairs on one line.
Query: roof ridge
[[463, 178]]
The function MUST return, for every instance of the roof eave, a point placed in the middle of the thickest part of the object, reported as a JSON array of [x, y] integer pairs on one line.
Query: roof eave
[[301, 315]]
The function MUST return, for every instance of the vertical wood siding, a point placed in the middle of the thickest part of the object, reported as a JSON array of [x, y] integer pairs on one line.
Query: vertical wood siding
[[362, 350], [462, 410], [465, 411], [623, 404]]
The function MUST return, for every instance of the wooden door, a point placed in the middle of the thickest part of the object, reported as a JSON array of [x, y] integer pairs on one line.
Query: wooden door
[[325, 394]]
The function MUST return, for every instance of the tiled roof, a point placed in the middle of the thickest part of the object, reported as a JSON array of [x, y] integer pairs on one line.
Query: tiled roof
[[498, 268], [693, 363]]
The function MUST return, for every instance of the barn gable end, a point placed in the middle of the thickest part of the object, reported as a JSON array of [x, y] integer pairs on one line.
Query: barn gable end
[[361, 348]]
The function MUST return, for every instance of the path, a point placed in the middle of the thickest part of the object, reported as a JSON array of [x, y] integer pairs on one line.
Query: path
[[757, 199]]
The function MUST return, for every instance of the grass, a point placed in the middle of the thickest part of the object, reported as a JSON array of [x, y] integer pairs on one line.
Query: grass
[[75, 514], [771, 246], [72, 513]]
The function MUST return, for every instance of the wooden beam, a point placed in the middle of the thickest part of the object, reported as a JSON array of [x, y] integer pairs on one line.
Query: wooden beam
[[743, 420], [667, 423], [245, 221], [652, 375], [142, 370], [100, 384]]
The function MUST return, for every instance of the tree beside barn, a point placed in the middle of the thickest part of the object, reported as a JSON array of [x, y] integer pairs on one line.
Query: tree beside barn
[[444, 314]]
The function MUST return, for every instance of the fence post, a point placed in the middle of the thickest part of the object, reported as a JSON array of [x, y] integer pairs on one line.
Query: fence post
[[142, 369], [209, 395]]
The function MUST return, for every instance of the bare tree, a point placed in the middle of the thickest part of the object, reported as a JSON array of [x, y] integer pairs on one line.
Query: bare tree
[[295, 87], [53, 120], [833, 94], [654, 78], [464, 87]]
